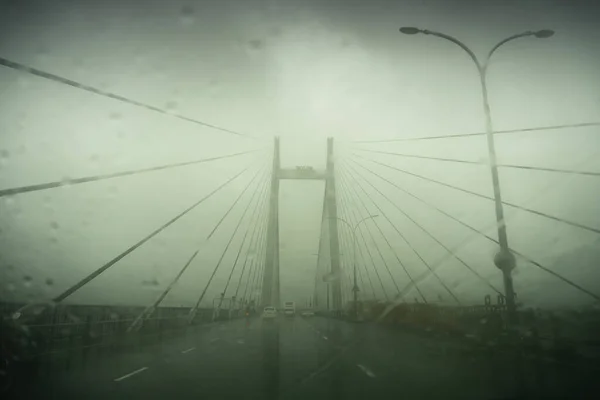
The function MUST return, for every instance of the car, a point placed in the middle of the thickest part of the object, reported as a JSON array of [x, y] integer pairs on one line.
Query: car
[[308, 313], [269, 312]]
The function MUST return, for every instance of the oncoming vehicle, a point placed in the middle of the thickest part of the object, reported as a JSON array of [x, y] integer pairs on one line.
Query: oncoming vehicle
[[269, 312], [289, 309]]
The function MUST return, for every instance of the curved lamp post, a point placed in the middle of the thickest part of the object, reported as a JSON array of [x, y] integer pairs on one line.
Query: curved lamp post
[[353, 230], [504, 259]]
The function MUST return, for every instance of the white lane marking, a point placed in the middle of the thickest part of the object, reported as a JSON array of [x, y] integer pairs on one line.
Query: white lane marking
[[188, 350], [131, 374], [366, 370], [325, 337]]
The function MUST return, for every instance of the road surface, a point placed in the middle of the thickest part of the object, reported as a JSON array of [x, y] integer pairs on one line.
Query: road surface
[[287, 358]]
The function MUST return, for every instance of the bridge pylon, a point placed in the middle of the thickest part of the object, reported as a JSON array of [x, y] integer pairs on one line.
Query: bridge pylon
[[270, 284]]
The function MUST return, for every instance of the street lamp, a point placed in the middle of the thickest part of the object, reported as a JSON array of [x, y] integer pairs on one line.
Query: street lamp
[[353, 229], [504, 259], [327, 279]]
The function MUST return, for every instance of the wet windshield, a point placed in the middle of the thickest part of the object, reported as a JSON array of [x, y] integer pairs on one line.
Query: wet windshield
[[279, 199]]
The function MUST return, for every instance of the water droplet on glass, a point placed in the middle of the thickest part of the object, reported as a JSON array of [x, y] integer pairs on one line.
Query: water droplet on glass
[[54, 225], [275, 32], [171, 105], [10, 287], [114, 115], [65, 182], [255, 44], [9, 201], [49, 281], [23, 82], [186, 15], [27, 281]]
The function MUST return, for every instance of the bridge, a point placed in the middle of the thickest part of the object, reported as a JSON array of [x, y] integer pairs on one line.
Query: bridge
[[392, 315]]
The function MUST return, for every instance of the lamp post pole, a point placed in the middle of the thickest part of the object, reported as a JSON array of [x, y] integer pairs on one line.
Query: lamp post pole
[[355, 284], [504, 259]]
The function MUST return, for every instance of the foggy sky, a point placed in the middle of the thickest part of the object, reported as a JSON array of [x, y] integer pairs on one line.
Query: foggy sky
[[303, 71]]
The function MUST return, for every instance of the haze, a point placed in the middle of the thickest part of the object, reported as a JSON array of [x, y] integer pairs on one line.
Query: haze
[[303, 71]]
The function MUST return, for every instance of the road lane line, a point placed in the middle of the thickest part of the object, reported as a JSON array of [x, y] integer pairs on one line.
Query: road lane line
[[325, 337], [188, 350], [131, 374], [366, 370]]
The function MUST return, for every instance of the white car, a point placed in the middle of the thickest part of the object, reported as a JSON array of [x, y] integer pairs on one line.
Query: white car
[[269, 312]]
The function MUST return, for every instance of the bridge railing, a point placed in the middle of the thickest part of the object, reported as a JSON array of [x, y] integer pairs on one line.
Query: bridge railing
[[68, 335]]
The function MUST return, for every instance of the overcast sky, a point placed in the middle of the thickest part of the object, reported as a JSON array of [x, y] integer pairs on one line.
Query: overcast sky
[[303, 71]]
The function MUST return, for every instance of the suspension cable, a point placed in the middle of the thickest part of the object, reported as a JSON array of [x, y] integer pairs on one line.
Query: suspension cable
[[349, 239], [59, 79], [389, 244], [347, 197], [116, 259], [345, 184], [256, 263], [258, 228], [257, 206], [510, 166], [77, 181], [526, 258], [150, 309], [522, 208], [534, 129], [225, 251], [464, 263]]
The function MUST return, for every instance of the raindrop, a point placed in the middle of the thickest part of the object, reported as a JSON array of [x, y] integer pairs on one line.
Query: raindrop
[[152, 282], [9, 201], [54, 225], [4, 154], [42, 50], [186, 16], [27, 281], [65, 181], [275, 32], [114, 115], [23, 82], [10, 287], [94, 158], [49, 281], [255, 44], [53, 240], [171, 105], [187, 10]]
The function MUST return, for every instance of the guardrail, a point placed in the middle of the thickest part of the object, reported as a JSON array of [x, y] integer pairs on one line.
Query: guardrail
[[64, 337]]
